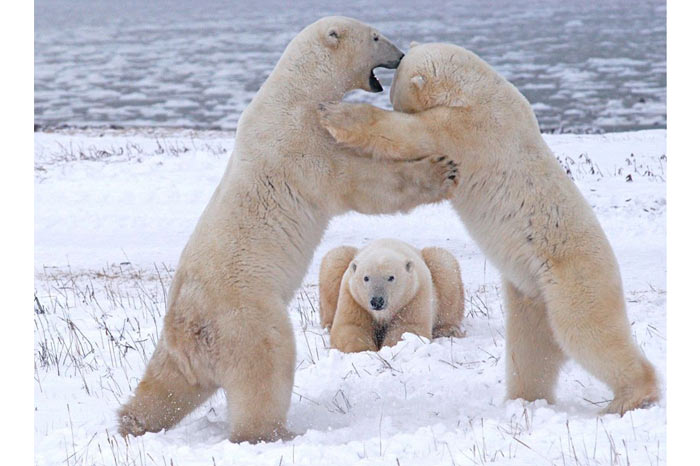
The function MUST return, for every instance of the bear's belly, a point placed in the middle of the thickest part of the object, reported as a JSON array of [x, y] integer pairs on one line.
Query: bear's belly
[[505, 244]]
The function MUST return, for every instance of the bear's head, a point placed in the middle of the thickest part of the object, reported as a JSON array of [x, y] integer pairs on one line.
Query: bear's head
[[432, 75], [352, 50], [383, 282]]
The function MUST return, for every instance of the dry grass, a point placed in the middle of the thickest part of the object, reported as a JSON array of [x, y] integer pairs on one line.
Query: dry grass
[[100, 327]]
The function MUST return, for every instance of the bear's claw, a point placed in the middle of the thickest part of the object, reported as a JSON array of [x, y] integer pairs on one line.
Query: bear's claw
[[450, 168]]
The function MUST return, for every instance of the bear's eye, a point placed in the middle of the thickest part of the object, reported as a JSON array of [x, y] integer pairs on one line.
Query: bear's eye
[[366, 278], [375, 37], [391, 278]]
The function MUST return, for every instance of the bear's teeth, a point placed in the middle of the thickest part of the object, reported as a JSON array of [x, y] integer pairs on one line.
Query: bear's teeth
[[374, 83]]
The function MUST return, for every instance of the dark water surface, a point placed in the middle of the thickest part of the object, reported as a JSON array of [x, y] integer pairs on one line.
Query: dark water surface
[[585, 66]]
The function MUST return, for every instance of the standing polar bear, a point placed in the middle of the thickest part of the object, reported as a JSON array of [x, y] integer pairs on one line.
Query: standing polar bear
[[562, 283], [226, 323], [370, 297]]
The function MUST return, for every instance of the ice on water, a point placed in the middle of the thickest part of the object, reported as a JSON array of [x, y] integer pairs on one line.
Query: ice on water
[[198, 64]]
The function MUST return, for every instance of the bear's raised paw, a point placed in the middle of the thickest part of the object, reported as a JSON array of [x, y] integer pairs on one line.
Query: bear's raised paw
[[442, 173]]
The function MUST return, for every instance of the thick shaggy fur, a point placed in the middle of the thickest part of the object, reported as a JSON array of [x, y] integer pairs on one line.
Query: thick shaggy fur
[[422, 291], [226, 323], [562, 283]]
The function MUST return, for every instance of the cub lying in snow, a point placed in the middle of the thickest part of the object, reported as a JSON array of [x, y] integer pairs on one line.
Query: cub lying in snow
[[562, 284], [370, 297]]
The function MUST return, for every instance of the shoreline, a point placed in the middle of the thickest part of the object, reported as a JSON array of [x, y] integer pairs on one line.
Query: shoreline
[[168, 130]]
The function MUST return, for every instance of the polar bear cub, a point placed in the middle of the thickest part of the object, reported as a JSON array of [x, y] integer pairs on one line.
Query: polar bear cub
[[562, 283], [370, 297]]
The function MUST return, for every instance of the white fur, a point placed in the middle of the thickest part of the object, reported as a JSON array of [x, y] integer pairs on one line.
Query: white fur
[[563, 288], [226, 323], [422, 292]]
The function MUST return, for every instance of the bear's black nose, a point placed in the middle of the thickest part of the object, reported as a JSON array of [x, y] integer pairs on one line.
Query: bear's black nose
[[377, 303]]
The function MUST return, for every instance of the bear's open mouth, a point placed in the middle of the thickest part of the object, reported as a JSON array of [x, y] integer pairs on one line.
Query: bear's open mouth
[[374, 84]]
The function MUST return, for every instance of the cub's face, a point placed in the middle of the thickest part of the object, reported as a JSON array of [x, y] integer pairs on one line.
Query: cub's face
[[430, 75], [358, 49], [382, 285]]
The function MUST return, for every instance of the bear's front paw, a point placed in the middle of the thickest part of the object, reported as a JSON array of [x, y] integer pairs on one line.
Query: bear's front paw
[[129, 424], [447, 172], [345, 121], [278, 433], [352, 342], [446, 331]]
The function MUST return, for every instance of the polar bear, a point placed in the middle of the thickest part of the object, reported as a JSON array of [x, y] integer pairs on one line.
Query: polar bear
[[226, 323], [563, 289], [370, 297]]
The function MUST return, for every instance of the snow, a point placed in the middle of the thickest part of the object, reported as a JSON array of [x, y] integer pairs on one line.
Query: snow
[[113, 210]]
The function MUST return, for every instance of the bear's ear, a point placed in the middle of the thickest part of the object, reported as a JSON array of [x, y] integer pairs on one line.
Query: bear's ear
[[332, 37], [418, 81], [353, 266], [413, 44], [409, 266]]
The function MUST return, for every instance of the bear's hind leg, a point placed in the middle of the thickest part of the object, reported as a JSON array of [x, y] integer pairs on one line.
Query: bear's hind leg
[[533, 356], [587, 314], [162, 398], [259, 383]]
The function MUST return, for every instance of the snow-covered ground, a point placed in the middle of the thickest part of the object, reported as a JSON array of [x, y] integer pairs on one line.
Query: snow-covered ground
[[112, 213]]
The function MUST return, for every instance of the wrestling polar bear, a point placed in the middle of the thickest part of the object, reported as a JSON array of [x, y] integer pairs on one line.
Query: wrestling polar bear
[[562, 283], [370, 297], [226, 323]]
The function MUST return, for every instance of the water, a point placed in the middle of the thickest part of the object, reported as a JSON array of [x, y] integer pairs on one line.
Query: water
[[585, 66]]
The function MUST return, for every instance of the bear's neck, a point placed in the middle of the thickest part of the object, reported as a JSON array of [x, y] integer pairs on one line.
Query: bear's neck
[[307, 78], [494, 99]]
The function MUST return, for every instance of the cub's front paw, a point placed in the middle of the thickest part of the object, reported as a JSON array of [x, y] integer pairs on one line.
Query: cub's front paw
[[353, 343], [345, 121], [278, 433], [129, 424], [446, 331]]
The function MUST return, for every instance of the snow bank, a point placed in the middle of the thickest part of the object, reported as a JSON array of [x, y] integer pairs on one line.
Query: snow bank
[[112, 213]]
